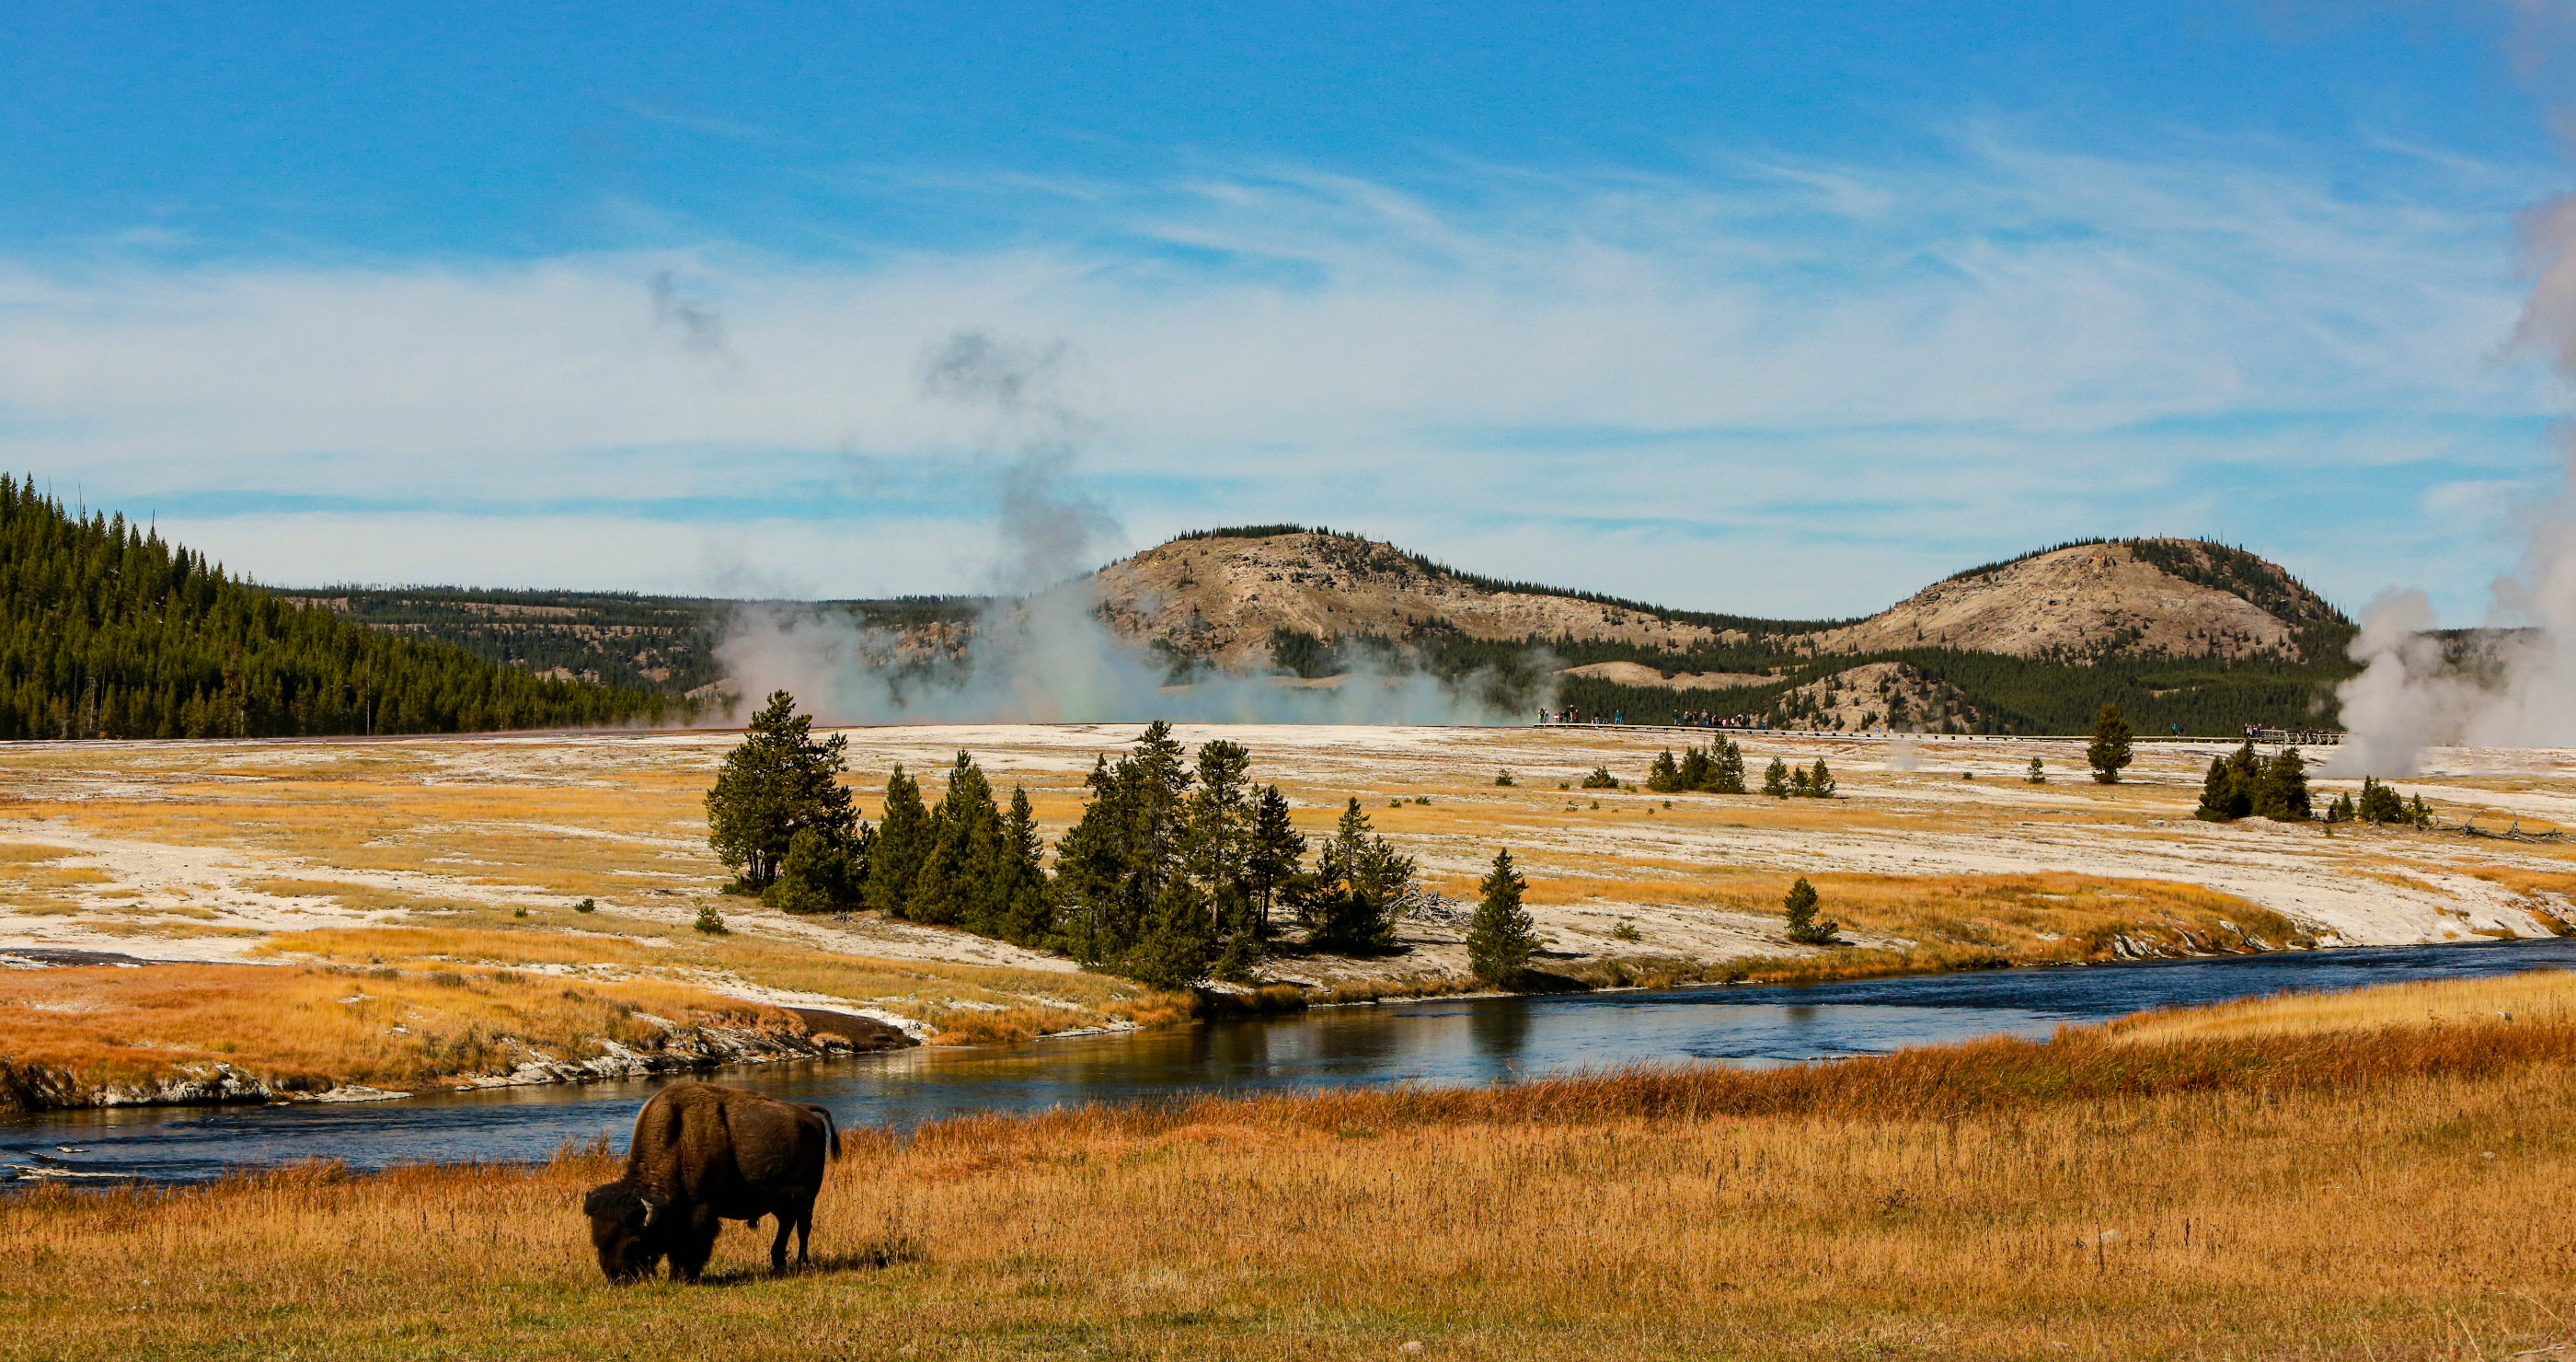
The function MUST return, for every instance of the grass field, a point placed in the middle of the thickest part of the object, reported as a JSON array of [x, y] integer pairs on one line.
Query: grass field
[[2378, 1175]]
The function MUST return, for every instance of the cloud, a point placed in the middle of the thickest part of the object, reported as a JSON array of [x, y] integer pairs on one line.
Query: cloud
[[1661, 385]]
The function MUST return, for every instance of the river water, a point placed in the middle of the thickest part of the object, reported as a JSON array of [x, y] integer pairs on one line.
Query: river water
[[1440, 1042]]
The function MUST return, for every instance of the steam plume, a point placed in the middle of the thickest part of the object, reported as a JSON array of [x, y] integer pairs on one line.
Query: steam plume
[[1039, 655]]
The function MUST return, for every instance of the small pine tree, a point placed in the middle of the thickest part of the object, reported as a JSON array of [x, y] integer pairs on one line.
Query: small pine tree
[[1803, 926], [2283, 794], [1728, 778], [2038, 773], [2379, 803], [1503, 778], [2419, 813], [902, 841], [1502, 936], [2109, 751], [711, 922], [1801, 783], [777, 781], [1775, 779], [1601, 779], [1664, 775], [1820, 782], [2341, 810]]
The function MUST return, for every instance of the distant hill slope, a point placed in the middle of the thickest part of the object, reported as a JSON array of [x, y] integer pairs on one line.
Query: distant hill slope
[[2182, 634], [2147, 598], [107, 631], [659, 643], [1227, 597], [1231, 598]]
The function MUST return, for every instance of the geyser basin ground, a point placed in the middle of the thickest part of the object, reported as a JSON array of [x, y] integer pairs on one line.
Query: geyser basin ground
[[415, 857]]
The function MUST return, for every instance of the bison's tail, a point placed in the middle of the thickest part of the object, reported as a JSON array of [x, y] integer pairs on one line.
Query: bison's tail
[[831, 1132]]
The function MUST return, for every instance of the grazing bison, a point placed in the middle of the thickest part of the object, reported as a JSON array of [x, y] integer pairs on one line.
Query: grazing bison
[[701, 1154]]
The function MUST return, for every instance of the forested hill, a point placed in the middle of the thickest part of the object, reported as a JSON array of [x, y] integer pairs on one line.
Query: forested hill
[[107, 631]]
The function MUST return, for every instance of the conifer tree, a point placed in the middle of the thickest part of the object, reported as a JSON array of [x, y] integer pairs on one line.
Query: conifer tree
[[1277, 854], [1362, 883], [777, 781], [1696, 771], [2218, 794], [2379, 803], [1820, 782], [1801, 782], [902, 840], [1025, 899], [1112, 864], [2109, 751], [106, 631], [1501, 936], [961, 853], [1176, 944], [1729, 776], [1775, 779], [2038, 773], [1664, 775], [1803, 926], [2282, 795]]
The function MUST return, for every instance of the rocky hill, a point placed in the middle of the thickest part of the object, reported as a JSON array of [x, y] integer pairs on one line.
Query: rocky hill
[[1225, 597], [2144, 598], [1244, 599]]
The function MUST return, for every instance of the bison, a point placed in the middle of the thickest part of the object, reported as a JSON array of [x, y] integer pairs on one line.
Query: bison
[[702, 1154]]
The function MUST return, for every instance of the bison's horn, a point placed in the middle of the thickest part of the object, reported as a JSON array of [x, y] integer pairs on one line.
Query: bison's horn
[[650, 1206]]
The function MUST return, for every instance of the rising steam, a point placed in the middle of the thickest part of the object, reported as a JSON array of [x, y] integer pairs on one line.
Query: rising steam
[[2511, 689], [1039, 655]]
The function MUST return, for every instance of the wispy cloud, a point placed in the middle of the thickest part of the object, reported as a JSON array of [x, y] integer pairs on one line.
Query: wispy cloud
[[1664, 385]]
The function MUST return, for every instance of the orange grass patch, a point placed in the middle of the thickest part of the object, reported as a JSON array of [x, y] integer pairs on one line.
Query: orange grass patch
[[310, 1028]]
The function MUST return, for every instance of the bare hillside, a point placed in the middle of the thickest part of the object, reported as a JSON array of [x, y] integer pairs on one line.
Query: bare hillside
[[2138, 599], [1221, 598]]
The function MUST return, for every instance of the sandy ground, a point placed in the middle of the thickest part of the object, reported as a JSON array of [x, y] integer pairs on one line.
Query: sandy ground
[[204, 851]]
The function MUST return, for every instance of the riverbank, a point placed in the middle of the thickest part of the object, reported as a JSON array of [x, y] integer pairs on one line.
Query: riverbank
[[2374, 1173]]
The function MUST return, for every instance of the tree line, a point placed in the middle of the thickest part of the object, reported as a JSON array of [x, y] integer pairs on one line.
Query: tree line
[[108, 631], [1181, 867]]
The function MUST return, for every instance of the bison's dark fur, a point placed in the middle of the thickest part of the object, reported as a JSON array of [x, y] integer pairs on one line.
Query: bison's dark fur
[[702, 1154]]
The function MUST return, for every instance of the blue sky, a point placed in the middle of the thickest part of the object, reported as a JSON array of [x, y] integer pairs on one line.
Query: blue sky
[[1763, 308]]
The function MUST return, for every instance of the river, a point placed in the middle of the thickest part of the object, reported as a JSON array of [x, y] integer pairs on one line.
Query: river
[[1437, 1042]]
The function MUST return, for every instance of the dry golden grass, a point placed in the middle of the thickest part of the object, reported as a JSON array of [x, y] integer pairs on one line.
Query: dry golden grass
[[307, 1027], [2391, 1192], [2541, 997], [964, 1004]]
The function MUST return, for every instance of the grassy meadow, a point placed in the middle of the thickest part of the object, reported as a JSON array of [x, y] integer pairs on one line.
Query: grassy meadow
[[2374, 1175]]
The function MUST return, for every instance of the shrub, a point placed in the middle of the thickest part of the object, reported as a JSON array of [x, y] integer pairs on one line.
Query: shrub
[[2380, 804], [1803, 926], [712, 922], [585, 906], [1503, 777], [1601, 779]]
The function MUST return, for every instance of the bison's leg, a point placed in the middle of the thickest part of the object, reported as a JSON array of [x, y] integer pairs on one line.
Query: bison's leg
[[695, 1243], [778, 1246], [804, 1218]]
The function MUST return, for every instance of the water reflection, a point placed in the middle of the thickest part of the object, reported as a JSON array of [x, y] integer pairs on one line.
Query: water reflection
[[1442, 1042]]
